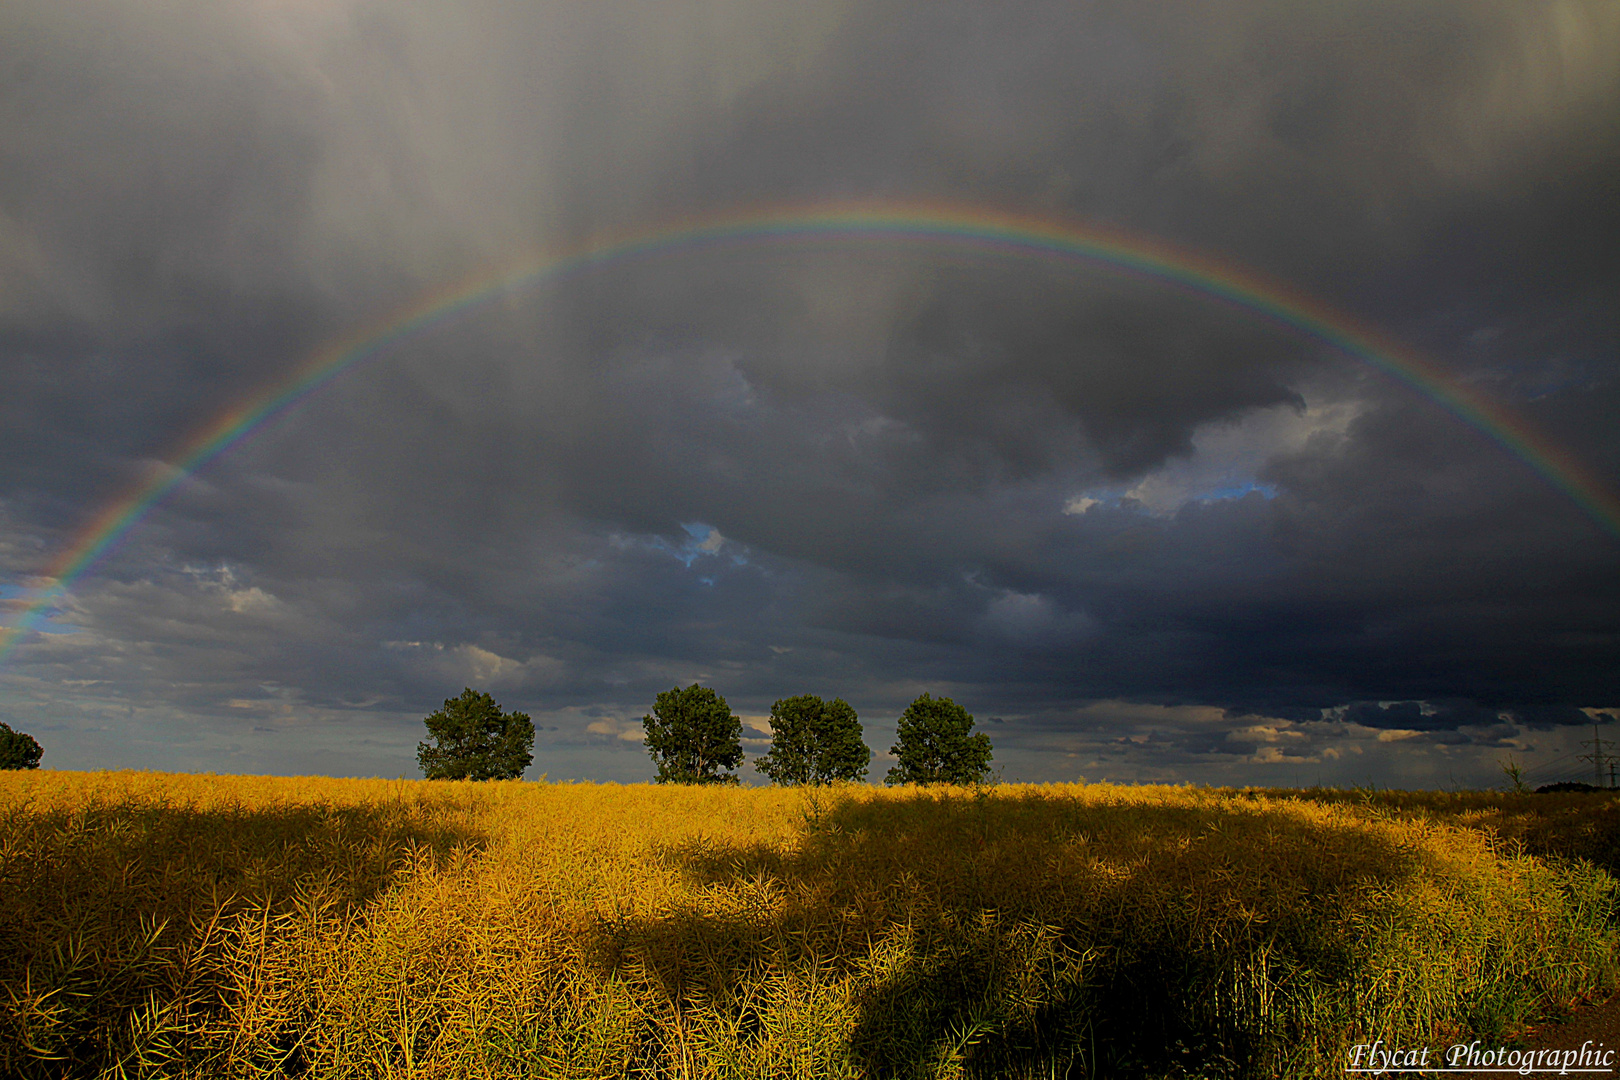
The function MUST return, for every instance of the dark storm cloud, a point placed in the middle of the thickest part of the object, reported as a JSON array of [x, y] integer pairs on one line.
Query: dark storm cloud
[[1435, 716], [1418, 716], [1132, 522]]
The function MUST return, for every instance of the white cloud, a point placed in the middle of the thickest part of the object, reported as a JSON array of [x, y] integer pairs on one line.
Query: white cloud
[[1080, 504], [221, 581], [613, 727], [250, 599], [482, 667], [486, 666], [1228, 459], [1276, 731]]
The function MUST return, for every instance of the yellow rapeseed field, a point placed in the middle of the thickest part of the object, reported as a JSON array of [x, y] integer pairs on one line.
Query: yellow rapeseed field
[[166, 925]]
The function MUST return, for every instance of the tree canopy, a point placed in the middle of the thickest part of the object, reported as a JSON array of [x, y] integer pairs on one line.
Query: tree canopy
[[814, 742], [476, 740], [938, 745], [693, 737], [18, 750]]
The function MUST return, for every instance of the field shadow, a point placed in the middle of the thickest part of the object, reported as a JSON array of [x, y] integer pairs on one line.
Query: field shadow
[[174, 862], [117, 911], [1027, 934]]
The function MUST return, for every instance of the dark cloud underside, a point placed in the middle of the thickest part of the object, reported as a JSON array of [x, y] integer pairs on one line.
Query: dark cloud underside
[[1143, 529]]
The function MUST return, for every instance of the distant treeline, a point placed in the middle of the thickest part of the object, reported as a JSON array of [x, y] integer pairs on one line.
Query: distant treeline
[[694, 738]]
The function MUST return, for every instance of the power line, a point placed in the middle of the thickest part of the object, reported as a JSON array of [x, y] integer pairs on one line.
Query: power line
[[1546, 768], [1599, 759]]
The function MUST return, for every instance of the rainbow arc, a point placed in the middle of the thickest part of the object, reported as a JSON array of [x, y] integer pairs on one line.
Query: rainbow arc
[[910, 224]]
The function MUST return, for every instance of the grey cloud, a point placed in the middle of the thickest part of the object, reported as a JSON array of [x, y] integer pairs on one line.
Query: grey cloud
[[1037, 488], [1417, 715]]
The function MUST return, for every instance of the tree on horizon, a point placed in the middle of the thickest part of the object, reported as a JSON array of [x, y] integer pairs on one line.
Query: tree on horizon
[[18, 749], [814, 742], [693, 737], [937, 745], [476, 740]]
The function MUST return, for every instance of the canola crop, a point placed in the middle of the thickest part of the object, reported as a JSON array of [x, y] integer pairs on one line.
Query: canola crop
[[216, 926]]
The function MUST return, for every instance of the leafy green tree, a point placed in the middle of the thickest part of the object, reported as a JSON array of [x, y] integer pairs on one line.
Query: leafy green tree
[[938, 746], [18, 750], [814, 742], [476, 741], [693, 736]]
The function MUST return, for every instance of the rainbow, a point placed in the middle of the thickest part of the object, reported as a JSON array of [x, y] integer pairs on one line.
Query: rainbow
[[893, 225]]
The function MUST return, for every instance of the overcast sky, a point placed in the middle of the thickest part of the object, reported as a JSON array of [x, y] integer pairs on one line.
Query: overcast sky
[[1139, 535]]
